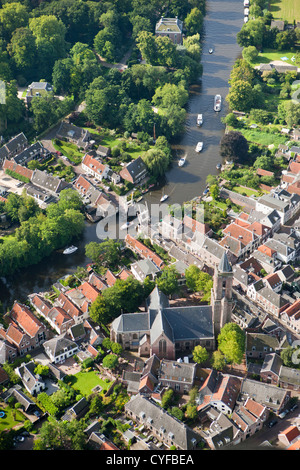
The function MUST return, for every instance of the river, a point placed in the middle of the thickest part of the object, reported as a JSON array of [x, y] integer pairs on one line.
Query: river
[[223, 20]]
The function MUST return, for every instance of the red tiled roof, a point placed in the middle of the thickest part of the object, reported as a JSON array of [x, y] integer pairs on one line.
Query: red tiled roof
[[143, 250], [21, 170], [240, 233], [266, 250], [254, 407], [93, 164], [68, 306], [25, 319], [262, 172], [291, 433], [294, 167], [89, 292]]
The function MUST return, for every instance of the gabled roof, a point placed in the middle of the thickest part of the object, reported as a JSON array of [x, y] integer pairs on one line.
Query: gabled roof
[[224, 265]]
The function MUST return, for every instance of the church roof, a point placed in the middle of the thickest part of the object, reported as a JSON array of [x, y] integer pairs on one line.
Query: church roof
[[224, 265]]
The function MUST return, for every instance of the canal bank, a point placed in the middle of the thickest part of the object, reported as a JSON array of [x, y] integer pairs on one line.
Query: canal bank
[[222, 22]]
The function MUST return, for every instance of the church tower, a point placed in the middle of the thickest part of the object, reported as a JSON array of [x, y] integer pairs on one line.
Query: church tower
[[221, 295]]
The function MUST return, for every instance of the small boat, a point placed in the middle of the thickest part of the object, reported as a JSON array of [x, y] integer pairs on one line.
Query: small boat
[[70, 249], [199, 147], [217, 103], [181, 161], [164, 198], [219, 166], [210, 50], [199, 120], [126, 225], [206, 191], [246, 19]]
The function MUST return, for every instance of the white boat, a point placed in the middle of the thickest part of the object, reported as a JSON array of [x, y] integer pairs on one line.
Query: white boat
[[211, 50], [70, 250], [199, 120], [199, 146], [217, 103], [164, 198], [219, 166], [181, 161], [126, 225], [246, 19]]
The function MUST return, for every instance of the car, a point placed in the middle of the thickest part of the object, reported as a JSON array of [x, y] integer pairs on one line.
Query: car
[[283, 414], [272, 423], [294, 407]]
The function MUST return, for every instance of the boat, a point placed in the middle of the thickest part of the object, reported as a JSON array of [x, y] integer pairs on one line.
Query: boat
[[181, 161], [126, 225], [219, 166], [164, 198], [199, 146], [211, 50], [199, 120], [70, 249], [206, 191], [217, 103]]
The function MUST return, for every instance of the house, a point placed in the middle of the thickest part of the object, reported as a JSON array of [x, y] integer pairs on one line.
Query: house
[[144, 268], [291, 316], [179, 376], [135, 171], [8, 351], [93, 166], [273, 371], [259, 345], [37, 89], [273, 281], [278, 24], [250, 417], [69, 307], [103, 151], [296, 134], [220, 391], [290, 436], [284, 203], [31, 381], [76, 135], [76, 411], [59, 348], [99, 441], [270, 396], [60, 320], [163, 426], [210, 252], [25, 331], [143, 251], [35, 151], [220, 431], [47, 182], [18, 169], [170, 27], [14, 146]]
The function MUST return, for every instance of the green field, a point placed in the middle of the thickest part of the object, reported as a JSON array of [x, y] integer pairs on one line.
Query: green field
[[11, 419], [285, 10], [84, 382]]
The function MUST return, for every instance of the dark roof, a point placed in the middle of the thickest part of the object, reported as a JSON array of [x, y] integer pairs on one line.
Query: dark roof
[[224, 265]]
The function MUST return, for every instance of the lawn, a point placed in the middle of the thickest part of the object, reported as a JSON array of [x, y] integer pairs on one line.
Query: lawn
[[260, 137], [84, 382], [285, 10], [12, 418], [269, 55], [70, 151], [243, 190]]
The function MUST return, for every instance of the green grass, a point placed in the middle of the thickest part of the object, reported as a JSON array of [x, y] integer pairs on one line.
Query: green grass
[[84, 382], [243, 190], [260, 137], [12, 418], [69, 150], [269, 55], [285, 10]]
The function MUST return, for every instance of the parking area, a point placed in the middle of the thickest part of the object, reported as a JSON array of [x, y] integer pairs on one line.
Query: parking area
[[10, 184]]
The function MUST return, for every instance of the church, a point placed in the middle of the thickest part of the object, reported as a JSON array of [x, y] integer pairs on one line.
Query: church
[[170, 332]]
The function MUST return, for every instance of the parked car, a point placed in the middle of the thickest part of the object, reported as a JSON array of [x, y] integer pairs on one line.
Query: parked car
[[272, 423], [283, 414], [294, 407]]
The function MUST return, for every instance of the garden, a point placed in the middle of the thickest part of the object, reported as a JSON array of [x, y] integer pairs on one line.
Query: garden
[[10, 417]]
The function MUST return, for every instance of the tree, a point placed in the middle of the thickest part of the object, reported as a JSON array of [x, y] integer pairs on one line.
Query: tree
[[194, 21], [200, 354], [22, 50], [231, 342], [218, 360], [169, 94], [234, 147], [168, 280], [250, 53], [107, 253], [12, 16], [241, 96], [69, 199], [110, 361], [13, 110], [214, 191], [252, 33], [147, 46], [156, 161]]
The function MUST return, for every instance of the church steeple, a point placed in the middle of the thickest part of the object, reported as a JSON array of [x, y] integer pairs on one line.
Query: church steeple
[[221, 298]]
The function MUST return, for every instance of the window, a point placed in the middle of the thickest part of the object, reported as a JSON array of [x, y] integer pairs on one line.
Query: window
[[162, 346]]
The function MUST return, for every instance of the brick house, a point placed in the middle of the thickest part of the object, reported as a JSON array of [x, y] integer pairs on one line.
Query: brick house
[[171, 28]]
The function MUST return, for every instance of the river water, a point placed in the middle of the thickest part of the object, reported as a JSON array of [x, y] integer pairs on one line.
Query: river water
[[223, 20]]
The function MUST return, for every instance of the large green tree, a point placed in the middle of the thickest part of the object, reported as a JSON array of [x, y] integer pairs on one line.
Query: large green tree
[[231, 342]]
